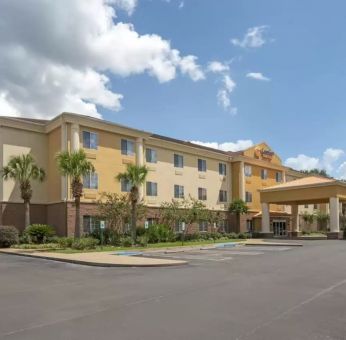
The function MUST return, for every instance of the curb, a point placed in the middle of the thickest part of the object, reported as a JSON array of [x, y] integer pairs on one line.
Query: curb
[[268, 244], [95, 264]]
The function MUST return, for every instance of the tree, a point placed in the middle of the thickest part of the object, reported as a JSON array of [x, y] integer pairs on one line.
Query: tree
[[308, 219], [318, 172], [322, 219], [238, 207], [23, 169], [116, 210], [135, 175], [75, 166]]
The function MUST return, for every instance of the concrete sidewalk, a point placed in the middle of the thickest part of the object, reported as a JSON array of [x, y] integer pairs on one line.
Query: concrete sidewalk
[[100, 259]]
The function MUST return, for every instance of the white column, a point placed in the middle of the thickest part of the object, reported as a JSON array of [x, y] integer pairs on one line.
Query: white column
[[75, 142], [241, 182], [334, 214], [140, 161], [295, 217], [63, 148], [265, 218]]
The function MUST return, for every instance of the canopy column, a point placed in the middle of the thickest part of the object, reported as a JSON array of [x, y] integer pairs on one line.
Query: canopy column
[[334, 210], [295, 220], [266, 221]]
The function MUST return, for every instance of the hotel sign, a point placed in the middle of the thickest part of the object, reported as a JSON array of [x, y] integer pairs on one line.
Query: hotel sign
[[265, 154]]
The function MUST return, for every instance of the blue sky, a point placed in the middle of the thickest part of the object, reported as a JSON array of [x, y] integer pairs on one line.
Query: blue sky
[[285, 85]]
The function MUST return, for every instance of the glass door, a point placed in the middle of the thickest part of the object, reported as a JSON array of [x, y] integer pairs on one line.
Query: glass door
[[279, 228]]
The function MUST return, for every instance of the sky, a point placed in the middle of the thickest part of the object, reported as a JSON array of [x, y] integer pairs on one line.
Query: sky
[[225, 73]]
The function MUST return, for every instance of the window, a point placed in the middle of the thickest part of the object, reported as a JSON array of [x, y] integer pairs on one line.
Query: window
[[202, 194], [222, 169], [222, 226], [90, 140], [125, 185], [90, 223], [306, 206], [315, 206], [151, 189], [90, 181], [150, 156], [223, 196], [248, 197], [127, 147], [178, 161], [202, 165], [249, 226], [248, 170], [264, 173], [152, 221], [203, 226], [278, 177], [178, 191], [178, 226]]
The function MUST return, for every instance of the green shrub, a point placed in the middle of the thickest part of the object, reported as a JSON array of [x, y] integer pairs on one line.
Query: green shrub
[[140, 231], [160, 233], [126, 241], [110, 236], [143, 241], [65, 242], [9, 236], [39, 246], [242, 235], [39, 232], [85, 243]]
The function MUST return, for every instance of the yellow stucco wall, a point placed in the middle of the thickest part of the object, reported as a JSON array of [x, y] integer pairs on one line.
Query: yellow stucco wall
[[53, 175], [254, 183], [166, 175], [235, 180], [16, 142]]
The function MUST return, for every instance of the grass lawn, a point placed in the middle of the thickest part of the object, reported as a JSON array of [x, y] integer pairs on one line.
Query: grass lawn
[[150, 246]]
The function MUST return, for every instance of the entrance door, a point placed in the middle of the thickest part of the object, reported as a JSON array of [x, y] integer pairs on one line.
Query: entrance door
[[279, 228]]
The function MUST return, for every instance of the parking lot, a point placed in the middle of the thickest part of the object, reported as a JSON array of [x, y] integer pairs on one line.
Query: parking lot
[[237, 293]]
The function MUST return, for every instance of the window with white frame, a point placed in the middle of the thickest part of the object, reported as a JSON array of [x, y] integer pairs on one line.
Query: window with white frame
[[150, 155], [178, 226], [248, 197], [127, 147], [203, 226], [202, 165], [248, 170], [178, 191], [222, 196], [278, 177], [90, 224], [264, 174], [90, 181], [178, 161], [90, 140], [202, 194], [222, 169], [125, 185], [151, 189]]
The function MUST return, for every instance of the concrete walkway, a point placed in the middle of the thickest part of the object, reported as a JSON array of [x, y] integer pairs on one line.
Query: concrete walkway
[[100, 259]]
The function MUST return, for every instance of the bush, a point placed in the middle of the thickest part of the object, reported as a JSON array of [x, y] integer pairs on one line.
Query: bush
[[140, 231], [39, 232], [110, 236], [9, 236], [160, 233], [143, 241], [126, 241], [85, 243], [65, 242]]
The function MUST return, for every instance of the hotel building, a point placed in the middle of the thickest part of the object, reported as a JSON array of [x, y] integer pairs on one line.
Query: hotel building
[[177, 169]]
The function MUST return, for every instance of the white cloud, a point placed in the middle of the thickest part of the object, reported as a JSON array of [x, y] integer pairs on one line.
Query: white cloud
[[342, 170], [189, 66], [217, 67], [181, 4], [224, 94], [239, 145], [327, 162], [302, 162], [257, 76], [253, 38], [61, 62]]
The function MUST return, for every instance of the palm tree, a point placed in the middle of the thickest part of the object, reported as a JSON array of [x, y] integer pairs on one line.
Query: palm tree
[[238, 207], [24, 169], [75, 165], [135, 175]]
